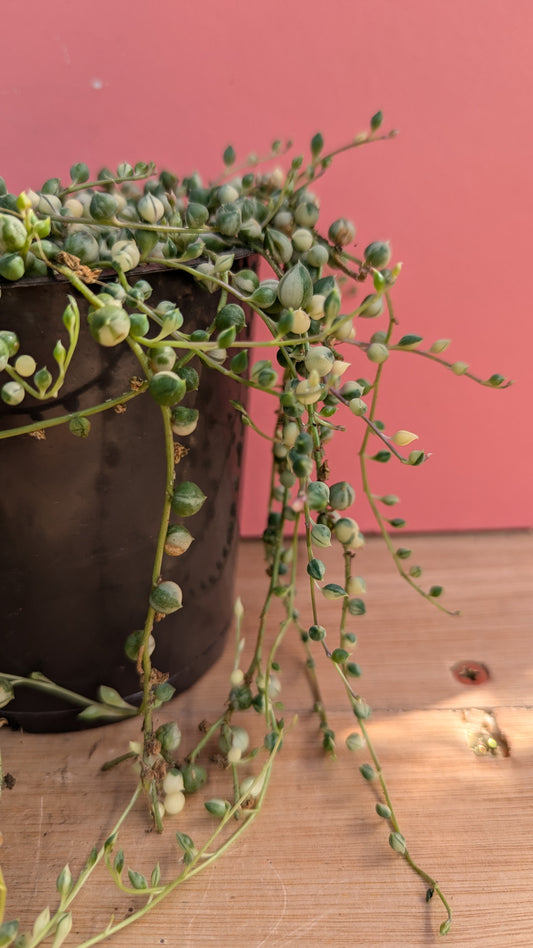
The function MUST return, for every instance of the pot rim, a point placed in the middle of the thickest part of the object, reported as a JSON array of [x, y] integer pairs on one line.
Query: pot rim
[[55, 278]]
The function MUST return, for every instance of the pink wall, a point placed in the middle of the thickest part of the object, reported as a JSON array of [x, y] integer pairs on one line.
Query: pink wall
[[177, 82]]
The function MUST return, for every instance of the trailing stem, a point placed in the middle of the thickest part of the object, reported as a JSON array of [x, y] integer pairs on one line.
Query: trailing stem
[[367, 489], [396, 839]]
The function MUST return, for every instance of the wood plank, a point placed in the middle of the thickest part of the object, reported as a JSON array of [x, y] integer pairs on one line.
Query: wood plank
[[315, 869]]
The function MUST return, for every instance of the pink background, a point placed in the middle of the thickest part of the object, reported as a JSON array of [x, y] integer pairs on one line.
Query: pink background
[[175, 83]]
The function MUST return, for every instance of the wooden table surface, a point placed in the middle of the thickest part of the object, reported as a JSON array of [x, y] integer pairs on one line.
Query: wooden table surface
[[315, 868]]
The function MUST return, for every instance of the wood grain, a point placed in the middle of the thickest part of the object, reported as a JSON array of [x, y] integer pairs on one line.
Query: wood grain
[[315, 869]]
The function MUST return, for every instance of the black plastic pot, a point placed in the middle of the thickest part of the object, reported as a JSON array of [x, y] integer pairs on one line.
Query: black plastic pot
[[79, 518]]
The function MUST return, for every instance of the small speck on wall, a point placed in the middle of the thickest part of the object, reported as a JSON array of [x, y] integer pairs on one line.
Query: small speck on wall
[[97, 83]]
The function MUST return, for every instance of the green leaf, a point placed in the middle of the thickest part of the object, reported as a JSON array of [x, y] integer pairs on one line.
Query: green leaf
[[403, 553], [333, 591], [137, 879], [239, 362], [92, 858], [51, 186], [339, 655], [263, 296], [193, 250], [64, 881], [41, 922], [118, 862], [383, 810], [316, 569], [317, 633], [223, 262], [124, 170], [168, 180], [8, 933], [110, 696], [164, 692], [187, 499], [354, 741], [71, 316], [379, 281], [317, 144], [397, 842], [217, 807], [389, 500], [79, 173], [270, 740], [94, 713], [110, 842], [328, 742], [495, 380], [356, 607], [226, 338], [194, 775], [171, 321], [63, 928], [361, 709], [259, 366], [185, 842], [43, 380], [60, 353], [229, 156], [79, 427], [410, 340], [42, 228], [376, 121], [155, 878]]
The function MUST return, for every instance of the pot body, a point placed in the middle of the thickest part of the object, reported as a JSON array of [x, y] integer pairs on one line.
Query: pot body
[[79, 518]]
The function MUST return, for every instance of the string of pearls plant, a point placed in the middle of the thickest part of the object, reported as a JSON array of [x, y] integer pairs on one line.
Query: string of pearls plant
[[316, 369]]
